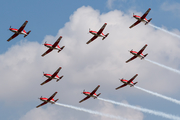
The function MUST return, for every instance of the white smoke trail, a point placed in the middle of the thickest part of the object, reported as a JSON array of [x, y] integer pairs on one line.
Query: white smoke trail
[[159, 95], [90, 111], [171, 69], [173, 34], [165, 115]]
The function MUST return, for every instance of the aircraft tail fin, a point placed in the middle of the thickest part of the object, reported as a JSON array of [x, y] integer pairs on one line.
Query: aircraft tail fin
[[27, 33], [148, 21], [144, 56], [105, 36], [59, 78], [61, 49], [56, 100]]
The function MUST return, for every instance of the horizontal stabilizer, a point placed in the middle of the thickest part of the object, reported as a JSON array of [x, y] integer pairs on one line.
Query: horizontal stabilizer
[[27, 33], [144, 56], [148, 21], [61, 48], [105, 36], [59, 78], [56, 100], [98, 94]]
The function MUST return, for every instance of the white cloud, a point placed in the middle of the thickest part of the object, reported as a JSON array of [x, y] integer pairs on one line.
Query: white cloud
[[85, 66], [110, 4], [172, 7]]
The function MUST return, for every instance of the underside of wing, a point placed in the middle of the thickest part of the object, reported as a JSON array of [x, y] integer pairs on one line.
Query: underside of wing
[[13, 36], [102, 28], [95, 90], [142, 50], [121, 86], [57, 71], [131, 59], [41, 104], [93, 38], [57, 41], [46, 81], [48, 51], [132, 78], [52, 96], [84, 99], [137, 22], [146, 13], [23, 26]]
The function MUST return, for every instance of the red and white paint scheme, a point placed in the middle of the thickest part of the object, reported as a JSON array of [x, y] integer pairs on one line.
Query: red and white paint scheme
[[141, 19], [137, 54], [98, 34], [126, 82], [53, 76], [54, 46], [90, 94], [48, 100], [19, 31]]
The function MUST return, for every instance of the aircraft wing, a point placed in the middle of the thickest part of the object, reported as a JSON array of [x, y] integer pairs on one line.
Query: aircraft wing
[[137, 22], [48, 51], [57, 71], [121, 86], [132, 78], [13, 36], [95, 90], [142, 49], [49, 79], [84, 99], [52, 96], [41, 104], [23, 26], [93, 38], [131, 58], [145, 14], [57, 41], [102, 28]]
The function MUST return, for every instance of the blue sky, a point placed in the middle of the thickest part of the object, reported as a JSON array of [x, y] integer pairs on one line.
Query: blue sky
[[48, 19]]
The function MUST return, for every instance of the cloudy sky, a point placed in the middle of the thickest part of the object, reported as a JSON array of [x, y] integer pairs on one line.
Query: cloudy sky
[[86, 66]]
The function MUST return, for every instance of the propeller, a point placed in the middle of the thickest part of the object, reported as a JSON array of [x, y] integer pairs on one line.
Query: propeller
[[89, 30], [43, 74]]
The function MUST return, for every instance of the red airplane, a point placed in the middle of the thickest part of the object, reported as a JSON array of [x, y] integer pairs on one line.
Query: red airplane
[[126, 82], [98, 34], [137, 54], [19, 31], [54, 76], [92, 94], [48, 100], [52, 47], [141, 19]]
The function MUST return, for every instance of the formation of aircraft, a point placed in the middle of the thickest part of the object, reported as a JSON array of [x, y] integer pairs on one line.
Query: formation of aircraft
[[48, 100], [141, 19], [138, 54], [53, 76], [54, 46], [19, 31], [90, 94], [98, 34]]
